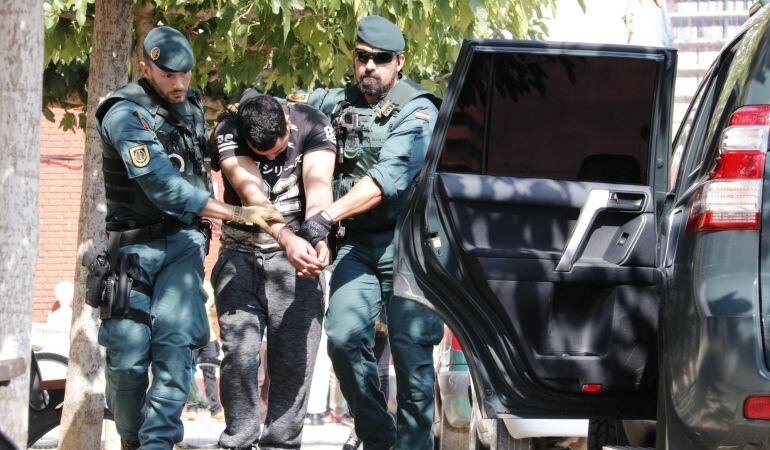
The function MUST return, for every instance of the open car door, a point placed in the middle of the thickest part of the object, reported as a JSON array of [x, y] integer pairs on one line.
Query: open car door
[[533, 227]]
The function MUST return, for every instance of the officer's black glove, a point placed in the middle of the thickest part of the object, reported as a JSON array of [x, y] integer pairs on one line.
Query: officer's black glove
[[316, 228]]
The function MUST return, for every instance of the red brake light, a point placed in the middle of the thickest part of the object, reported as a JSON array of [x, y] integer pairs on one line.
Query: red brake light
[[450, 337], [456, 344], [732, 197], [757, 407], [751, 115], [591, 388], [741, 165]]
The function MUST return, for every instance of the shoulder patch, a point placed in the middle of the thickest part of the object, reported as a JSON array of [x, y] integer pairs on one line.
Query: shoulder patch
[[422, 115], [298, 97], [140, 156]]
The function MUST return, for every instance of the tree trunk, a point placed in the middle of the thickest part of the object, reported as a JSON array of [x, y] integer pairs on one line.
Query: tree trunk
[[84, 399], [21, 89], [144, 22]]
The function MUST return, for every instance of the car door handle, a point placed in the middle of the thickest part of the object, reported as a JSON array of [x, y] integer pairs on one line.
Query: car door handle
[[626, 201], [598, 200]]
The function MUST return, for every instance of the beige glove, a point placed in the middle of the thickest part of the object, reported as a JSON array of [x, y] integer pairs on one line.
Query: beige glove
[[259, 215]]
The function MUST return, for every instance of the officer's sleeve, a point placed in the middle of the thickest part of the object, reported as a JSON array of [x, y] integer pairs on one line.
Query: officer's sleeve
[[403, 153], [316, 98], [128, 128], [326, 99]]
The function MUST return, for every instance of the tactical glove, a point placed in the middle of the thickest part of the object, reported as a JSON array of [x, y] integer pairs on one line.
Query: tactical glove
[[316, 228], [259, 215]]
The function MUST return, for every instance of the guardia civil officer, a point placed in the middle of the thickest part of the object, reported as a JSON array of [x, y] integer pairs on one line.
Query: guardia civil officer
[[157, 186], [384, 124]]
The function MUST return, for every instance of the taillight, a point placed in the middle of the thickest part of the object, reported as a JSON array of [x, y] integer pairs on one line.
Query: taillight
[[456, 344], [453, 342], [757, 407], [731, 199], [591, 388]]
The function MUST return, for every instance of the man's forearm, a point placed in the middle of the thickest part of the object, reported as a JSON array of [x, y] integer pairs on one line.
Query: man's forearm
[[362, 197], [317, 200], [215, 209]]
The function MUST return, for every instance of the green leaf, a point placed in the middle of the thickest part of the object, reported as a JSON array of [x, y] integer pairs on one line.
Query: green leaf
[[50, 16], [287, 11], [225, 20], [67, 121], [48, 114], [80, 11]]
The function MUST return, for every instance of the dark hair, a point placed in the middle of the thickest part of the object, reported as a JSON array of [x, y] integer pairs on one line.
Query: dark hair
[[261, 120]]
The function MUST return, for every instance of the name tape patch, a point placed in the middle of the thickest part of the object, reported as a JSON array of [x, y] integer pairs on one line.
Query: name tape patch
[[422, 115]]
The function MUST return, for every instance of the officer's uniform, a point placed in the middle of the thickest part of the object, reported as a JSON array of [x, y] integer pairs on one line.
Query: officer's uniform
[[386, 141], [155, 185]]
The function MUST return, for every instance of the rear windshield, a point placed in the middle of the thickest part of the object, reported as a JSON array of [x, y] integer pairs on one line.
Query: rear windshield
[[580, 118]]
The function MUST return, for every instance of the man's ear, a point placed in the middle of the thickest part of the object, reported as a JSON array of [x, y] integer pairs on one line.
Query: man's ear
[[401, 60], [145, 68]]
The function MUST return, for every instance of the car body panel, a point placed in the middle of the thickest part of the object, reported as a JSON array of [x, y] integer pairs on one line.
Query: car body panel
[[455, 404], [453, 380], [534, 428], [712, 317]]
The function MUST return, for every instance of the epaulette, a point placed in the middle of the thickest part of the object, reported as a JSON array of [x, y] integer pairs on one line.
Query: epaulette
[[298, 97]]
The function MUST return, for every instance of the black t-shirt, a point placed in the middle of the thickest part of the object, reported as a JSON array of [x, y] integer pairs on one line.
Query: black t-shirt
[[282, 177]]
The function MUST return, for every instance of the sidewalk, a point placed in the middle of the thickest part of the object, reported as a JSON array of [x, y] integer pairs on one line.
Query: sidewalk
[[203, 432]]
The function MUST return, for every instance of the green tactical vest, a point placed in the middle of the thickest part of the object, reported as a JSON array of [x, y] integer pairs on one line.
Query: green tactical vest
[[362, 129], [185, 145]]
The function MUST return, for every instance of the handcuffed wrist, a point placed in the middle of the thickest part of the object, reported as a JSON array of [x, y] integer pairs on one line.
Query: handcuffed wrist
[[279, 235]]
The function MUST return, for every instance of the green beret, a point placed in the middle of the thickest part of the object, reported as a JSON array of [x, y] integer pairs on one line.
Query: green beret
[[169, 49], [380, 33]]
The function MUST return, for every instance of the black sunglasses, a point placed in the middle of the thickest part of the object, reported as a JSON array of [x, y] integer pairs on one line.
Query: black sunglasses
[[378, 57]]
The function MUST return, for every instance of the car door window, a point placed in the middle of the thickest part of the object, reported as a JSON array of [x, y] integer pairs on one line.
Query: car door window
[[603, 125], [600, 106], [697, 145], [464, 146], [685, 130]]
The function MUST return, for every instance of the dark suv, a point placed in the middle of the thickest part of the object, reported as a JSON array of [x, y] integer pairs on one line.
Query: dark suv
[[589, 268]]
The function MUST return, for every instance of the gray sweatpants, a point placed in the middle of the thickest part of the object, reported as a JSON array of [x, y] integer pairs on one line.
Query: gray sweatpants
[[256, 290]]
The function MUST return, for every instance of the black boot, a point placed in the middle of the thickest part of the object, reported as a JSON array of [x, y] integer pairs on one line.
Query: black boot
[[126, 444], [353, 442]]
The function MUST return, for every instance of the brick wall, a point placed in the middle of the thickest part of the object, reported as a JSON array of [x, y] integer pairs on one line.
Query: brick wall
[[61, 173]]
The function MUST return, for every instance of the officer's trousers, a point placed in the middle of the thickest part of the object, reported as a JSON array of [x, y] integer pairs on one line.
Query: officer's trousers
[[173, 266], [361, 284]]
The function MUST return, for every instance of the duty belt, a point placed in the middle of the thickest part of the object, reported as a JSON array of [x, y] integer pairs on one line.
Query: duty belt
[[149, 233]]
